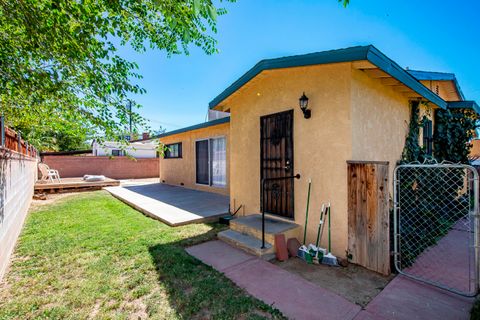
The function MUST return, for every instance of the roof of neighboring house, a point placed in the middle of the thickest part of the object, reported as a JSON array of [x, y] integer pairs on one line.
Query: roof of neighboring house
[[194, 127], [370, 53], [437, 76]]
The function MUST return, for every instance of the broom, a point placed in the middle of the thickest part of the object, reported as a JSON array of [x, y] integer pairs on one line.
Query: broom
[[306, 215], [320, 224], [329, 258]]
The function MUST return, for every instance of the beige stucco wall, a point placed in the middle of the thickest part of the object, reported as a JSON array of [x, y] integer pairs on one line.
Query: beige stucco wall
[[354, 117], [322, 144], [381, 117], [182, 170]]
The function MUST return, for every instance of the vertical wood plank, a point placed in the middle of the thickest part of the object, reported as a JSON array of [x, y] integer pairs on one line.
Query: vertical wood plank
[[371, 217], [352, 210], [368, 215], [383, 221], [361, 226]]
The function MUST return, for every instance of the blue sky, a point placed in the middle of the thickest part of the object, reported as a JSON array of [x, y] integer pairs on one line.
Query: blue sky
[[439, 35]]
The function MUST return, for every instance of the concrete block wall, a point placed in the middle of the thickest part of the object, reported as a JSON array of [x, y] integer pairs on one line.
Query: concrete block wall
[[18, 174]]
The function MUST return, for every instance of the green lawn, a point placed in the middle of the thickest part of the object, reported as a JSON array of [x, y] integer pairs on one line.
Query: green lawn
[[91, 256]]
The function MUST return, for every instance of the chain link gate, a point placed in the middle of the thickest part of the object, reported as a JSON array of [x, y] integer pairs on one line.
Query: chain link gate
[[435, 218]]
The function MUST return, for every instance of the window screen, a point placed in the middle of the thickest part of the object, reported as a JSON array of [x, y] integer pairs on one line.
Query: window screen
[[117, 153], [173, 150], [219, 161], [428, 137]]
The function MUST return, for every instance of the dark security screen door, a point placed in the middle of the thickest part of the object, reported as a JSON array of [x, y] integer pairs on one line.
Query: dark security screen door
[[276, 154], [202, 167]]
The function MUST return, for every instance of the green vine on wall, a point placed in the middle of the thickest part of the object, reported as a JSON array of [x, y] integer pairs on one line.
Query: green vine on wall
[[454, 129], [412, 151], [433, 203]]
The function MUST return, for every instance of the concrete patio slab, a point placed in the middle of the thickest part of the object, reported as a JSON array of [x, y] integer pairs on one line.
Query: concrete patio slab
[[294, 296], [172, 205]]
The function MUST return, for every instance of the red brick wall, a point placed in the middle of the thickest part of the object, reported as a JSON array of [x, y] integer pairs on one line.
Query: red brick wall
[[115, 168]]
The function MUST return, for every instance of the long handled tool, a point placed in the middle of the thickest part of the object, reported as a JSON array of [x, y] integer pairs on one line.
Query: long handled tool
[[306, 215], [320, 226], [329, 258]]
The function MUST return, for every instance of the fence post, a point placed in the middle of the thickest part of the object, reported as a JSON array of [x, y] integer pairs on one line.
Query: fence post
[[19, 142], [2, 131]]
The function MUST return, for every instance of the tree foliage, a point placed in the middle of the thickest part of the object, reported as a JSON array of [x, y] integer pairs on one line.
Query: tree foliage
[[412, 150], [60, 66], [455, 129]]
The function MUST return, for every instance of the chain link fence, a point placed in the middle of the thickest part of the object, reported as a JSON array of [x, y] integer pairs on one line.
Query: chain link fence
[[436, 225]]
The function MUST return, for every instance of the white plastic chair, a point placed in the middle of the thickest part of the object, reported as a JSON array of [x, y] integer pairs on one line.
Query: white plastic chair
[[47, 173]]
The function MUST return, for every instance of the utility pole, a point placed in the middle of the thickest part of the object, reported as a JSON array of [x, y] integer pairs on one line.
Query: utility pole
[[130, 116]]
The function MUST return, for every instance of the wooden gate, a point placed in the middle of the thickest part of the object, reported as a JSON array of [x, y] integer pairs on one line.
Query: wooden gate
[[368, 215]]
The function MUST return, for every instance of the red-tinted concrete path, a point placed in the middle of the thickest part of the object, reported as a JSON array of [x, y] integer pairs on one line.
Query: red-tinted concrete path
[[451, 261], [294, 296], [297, 298]]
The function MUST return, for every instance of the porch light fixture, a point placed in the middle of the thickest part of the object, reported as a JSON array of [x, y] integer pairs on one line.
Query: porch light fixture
[[303, 102]]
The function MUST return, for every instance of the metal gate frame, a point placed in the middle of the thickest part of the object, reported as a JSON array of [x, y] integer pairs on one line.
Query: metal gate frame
[[473, 219]]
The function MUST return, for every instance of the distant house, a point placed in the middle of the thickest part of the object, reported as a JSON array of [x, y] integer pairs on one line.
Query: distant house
[[136, 149]]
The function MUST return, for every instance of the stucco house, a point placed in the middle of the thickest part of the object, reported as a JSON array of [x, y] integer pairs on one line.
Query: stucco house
[[137, 149], [197, 157], [359, 104]]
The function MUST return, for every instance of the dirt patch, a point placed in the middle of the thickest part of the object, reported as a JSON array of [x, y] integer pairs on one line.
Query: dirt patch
[[354, 283], [52, 198]]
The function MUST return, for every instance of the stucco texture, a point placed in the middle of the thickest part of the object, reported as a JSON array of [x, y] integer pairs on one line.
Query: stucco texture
[[354, 117], [322, 144], [381, 119], [181, 171]]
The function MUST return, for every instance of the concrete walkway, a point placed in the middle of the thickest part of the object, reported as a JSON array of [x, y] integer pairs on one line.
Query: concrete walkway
[[294, 296], [406, 299], [172, 205], [298, 298]]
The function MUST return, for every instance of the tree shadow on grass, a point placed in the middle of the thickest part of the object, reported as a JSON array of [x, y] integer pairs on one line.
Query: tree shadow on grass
[[197, 291]]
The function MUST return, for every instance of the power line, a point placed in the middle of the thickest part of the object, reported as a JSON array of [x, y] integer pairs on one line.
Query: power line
[[164, 123]]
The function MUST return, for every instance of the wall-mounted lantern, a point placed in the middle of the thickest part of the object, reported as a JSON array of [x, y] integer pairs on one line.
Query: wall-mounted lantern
[[303, 102]]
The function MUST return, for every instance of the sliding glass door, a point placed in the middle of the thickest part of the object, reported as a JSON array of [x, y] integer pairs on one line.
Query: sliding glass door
[[219, 162], [211, 161], [202, 162]]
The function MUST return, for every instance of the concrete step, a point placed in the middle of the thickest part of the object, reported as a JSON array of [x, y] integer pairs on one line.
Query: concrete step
[[252, 225], [247, 243]]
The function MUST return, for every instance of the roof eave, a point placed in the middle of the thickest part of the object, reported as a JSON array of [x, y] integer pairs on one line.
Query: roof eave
[[332, 56], [369, 53], [464, 105], [194, 127]]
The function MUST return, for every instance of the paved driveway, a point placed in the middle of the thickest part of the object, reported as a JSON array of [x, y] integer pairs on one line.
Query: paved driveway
[[172, 205]]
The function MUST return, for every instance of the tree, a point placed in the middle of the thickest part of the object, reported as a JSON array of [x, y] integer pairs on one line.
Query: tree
[[59, 61]]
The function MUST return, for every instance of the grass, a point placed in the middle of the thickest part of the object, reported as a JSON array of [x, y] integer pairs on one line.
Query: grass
[[91, 256], [475, 312]]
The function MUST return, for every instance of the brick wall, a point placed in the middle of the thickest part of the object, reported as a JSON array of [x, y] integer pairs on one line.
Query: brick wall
[[115, 168]]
